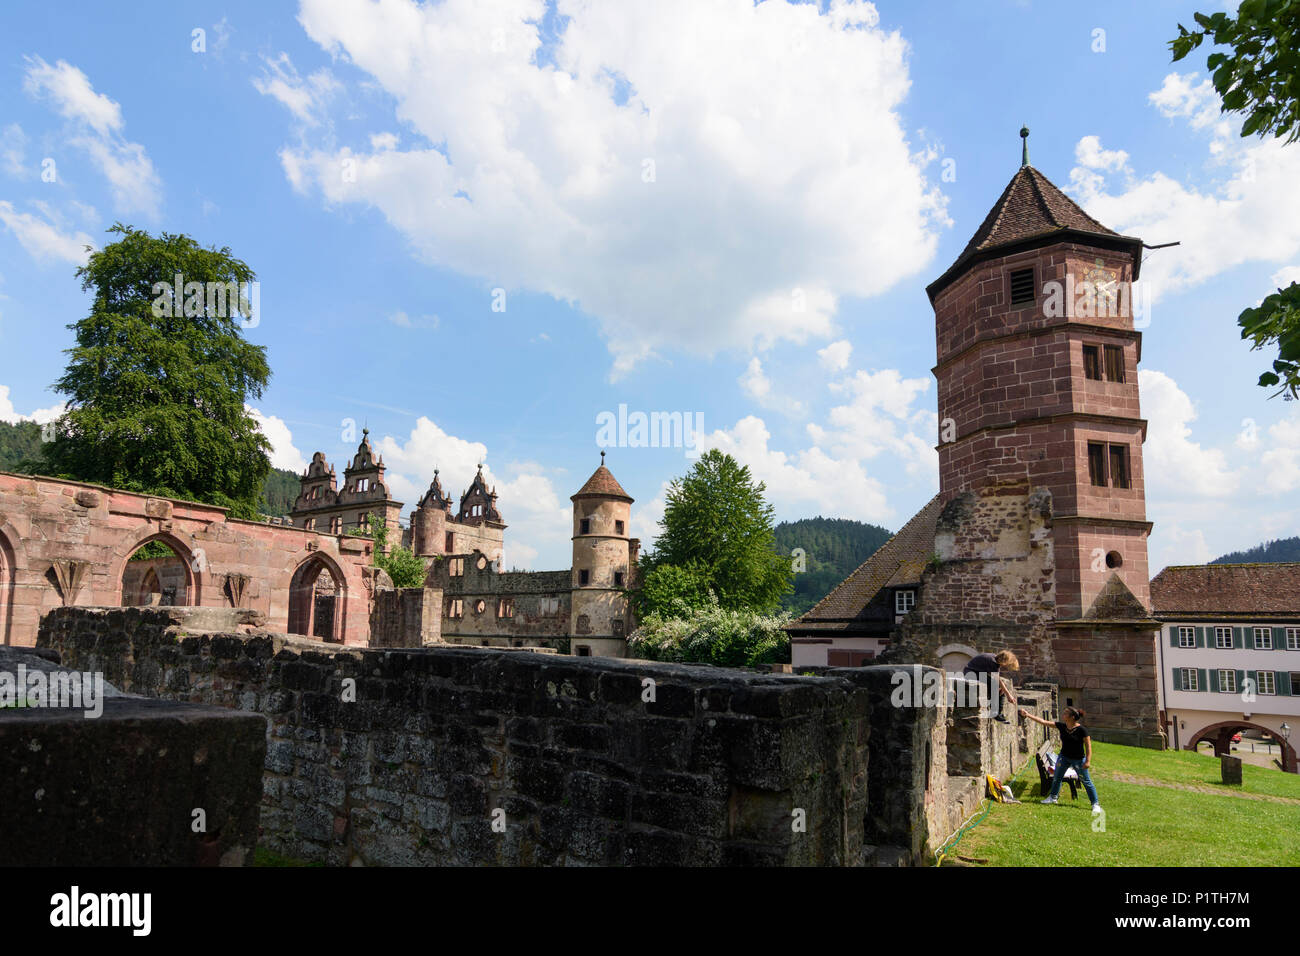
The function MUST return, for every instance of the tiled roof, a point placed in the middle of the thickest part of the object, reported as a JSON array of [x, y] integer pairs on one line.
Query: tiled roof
[[1227, 589], [898, 562], [1030, 207], [603, 483]]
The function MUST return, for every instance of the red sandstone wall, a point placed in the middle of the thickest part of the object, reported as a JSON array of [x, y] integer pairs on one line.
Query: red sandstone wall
[[46, 523]]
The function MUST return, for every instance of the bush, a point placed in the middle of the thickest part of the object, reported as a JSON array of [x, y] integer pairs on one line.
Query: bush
[[712, 635]]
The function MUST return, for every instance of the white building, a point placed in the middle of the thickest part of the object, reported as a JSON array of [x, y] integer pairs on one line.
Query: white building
[[1229, 653]]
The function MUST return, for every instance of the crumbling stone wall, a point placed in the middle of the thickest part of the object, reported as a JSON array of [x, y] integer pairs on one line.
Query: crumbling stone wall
[[473, 756]]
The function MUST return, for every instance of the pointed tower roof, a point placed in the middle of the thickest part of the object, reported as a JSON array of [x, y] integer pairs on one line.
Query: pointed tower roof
[[602, 484], [1032, 212]]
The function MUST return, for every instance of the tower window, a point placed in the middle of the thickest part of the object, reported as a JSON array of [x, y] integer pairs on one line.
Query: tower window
[[1097, 464], [618, 527], [586, 526], [618, 579], [1115, 363], [1119, 466], [448, 544], [1092, 362], [1022, 287], [583, 576]]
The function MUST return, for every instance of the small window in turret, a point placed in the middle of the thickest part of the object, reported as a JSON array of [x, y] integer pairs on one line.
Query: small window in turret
[[586, 526], [618, 527]]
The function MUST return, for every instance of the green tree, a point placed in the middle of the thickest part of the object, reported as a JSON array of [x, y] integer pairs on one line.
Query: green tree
[[156, 401], [1259, 77], [717, 537], [404, 566]]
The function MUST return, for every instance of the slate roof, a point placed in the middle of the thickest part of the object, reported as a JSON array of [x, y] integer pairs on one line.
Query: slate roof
[[1031, 207], [897, 563], [1218, 590], [602, 483]]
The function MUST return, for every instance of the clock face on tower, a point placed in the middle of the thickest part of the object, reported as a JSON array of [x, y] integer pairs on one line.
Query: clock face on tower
[[1103, 286]]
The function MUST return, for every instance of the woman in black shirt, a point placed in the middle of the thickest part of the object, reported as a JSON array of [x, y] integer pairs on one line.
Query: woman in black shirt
[[1076, 752]]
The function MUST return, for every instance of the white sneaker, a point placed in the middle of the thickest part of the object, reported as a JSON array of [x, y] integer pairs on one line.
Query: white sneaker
[[1096, 808], [1050, 800]]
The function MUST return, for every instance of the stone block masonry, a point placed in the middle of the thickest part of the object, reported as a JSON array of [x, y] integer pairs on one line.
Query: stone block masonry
[[129, 787], [469, 756]]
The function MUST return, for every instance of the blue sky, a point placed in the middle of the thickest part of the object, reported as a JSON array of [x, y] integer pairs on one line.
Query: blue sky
[[723, 209]]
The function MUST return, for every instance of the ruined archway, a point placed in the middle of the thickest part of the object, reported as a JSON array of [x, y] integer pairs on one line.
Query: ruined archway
[[158, 571], [317, 599], [1219, 733], [7, 574]]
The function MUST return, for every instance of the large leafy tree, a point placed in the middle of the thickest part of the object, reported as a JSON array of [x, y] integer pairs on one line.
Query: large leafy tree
[[1259, 77], [716, 537], [157, 382]]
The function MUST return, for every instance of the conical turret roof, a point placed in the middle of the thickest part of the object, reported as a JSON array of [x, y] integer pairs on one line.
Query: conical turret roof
[[602, 484]]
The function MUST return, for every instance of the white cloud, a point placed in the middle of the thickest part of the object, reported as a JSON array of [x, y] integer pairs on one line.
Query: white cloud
[[1180, 96], [1247, 211], [1280, 464], [13, 145], [41, 415], [879, 417], [1284, 277], [755, 383], [662, 167], [835, 356], [307, 99], [1174, 465], [283, 452], [539, 518], [1088, 152], [97, 121], [45, 237]]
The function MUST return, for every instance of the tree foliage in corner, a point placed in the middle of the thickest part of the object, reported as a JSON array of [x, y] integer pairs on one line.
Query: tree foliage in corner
[[716, 538], [1259, 77], [156, 402]]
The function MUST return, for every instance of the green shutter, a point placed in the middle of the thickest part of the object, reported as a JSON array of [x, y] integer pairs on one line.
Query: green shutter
[[1238, 640], [1214, 680], [1200, 637], [1279, 638], [1178, 678], [1284, 683], [1241, 681], [1173, 636], [1200, 679]]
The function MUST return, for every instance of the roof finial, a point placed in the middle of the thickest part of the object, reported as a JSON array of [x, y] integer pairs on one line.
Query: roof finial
[[1024, 146], [602, 459]]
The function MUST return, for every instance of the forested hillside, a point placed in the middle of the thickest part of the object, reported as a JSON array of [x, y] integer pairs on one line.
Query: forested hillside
[[833, 548], [1270, 552], [21, 444]]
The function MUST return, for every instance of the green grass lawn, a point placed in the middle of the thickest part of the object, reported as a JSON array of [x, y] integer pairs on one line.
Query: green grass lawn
[[1144, 825]]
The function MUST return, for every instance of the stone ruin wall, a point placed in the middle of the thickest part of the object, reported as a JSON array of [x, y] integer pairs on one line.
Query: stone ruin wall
[[586, 772]]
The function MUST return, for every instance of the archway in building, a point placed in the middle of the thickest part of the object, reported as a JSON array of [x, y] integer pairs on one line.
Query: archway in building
[[953, 657], [156, 573], [316, 600], [6, 589], [1220, 736]]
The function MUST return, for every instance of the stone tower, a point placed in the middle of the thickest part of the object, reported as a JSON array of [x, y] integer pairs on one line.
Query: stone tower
[[1041, 546], [603, 562]]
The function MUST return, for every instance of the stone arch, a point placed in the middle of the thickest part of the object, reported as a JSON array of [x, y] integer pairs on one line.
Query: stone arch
[[12, 560], [318, 608], [192, 561], [953, 657], [1213, 733]]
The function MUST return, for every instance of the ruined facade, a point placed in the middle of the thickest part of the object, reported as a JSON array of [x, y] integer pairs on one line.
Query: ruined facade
[[321, 506], [1039, 529]]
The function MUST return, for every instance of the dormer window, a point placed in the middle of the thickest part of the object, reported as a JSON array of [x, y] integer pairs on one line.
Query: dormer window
[[904, 601]]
